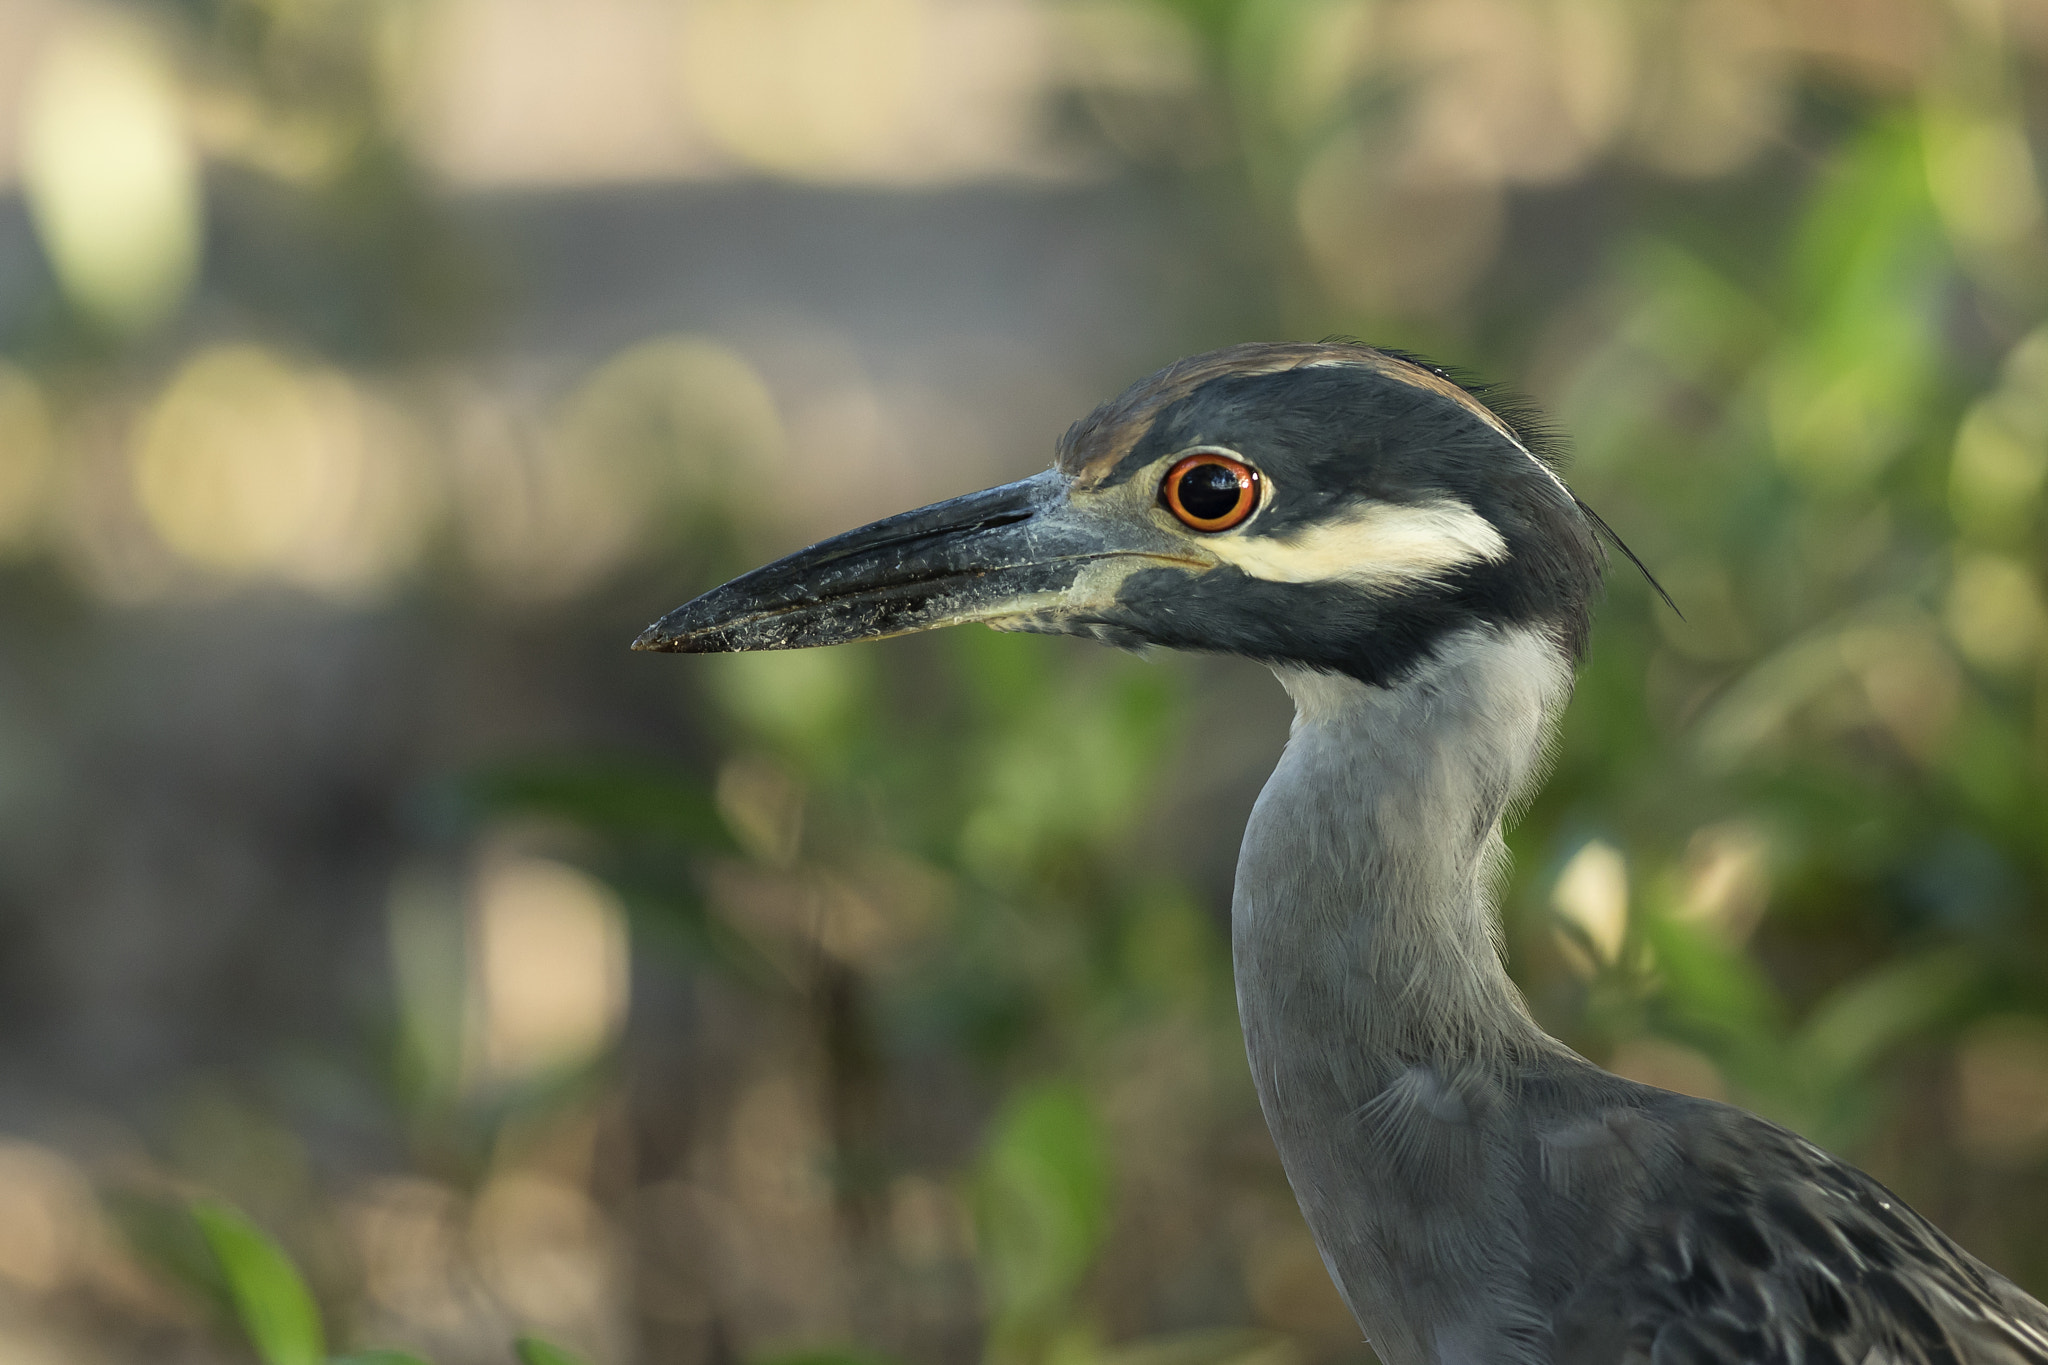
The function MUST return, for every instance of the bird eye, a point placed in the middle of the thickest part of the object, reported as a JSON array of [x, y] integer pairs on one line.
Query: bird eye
[[1210, 492]]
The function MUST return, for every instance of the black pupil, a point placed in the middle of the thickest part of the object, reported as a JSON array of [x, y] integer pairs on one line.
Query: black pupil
[[1209, 492]]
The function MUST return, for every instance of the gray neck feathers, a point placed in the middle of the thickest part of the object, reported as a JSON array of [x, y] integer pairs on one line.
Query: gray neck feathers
[[1380, 1023], [1364, 909]]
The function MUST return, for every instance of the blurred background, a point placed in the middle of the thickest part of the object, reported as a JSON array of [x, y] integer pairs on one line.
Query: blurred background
[[372, 370]]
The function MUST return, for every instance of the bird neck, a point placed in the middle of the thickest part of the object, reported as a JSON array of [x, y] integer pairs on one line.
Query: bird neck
[[1384, 1035], [1363, 926]]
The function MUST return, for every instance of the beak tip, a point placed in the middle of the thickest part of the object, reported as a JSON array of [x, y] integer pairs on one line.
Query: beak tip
[[660, 638], [960, 560], [696, 627]]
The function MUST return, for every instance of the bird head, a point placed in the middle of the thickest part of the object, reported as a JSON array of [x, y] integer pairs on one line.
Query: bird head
[[1325, 506]]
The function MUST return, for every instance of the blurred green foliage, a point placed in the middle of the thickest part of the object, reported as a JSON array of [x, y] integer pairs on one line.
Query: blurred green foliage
[[933, 1046], [534, 1351], [278, 1313], [1041, 1205], [275, 1309]]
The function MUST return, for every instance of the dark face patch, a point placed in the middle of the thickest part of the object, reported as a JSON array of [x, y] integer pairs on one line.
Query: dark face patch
[[1331, 440]]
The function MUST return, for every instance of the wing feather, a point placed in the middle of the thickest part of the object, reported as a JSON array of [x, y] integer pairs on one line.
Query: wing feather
[[1735, 1242]]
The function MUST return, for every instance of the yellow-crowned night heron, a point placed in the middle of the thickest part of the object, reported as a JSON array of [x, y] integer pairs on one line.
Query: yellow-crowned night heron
[[1421, 583]]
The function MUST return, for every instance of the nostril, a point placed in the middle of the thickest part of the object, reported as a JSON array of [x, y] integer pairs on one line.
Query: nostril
[[997, 522], [966, 528]]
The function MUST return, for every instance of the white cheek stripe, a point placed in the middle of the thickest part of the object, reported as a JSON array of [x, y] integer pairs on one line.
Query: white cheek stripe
[[1378, 543]]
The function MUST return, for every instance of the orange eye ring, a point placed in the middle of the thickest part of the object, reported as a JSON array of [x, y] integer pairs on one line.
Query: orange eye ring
[[1210, 492]]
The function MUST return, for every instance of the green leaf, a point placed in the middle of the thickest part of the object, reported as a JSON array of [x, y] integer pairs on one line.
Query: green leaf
[[1850, 1030], [160, 1231], [1041, 1201], [618, 798], [272, 1301], [534, 1351], [379, 1358], [1710, 986]]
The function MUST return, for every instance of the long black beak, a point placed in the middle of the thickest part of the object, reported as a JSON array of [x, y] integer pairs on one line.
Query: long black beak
[[1018, 555]]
